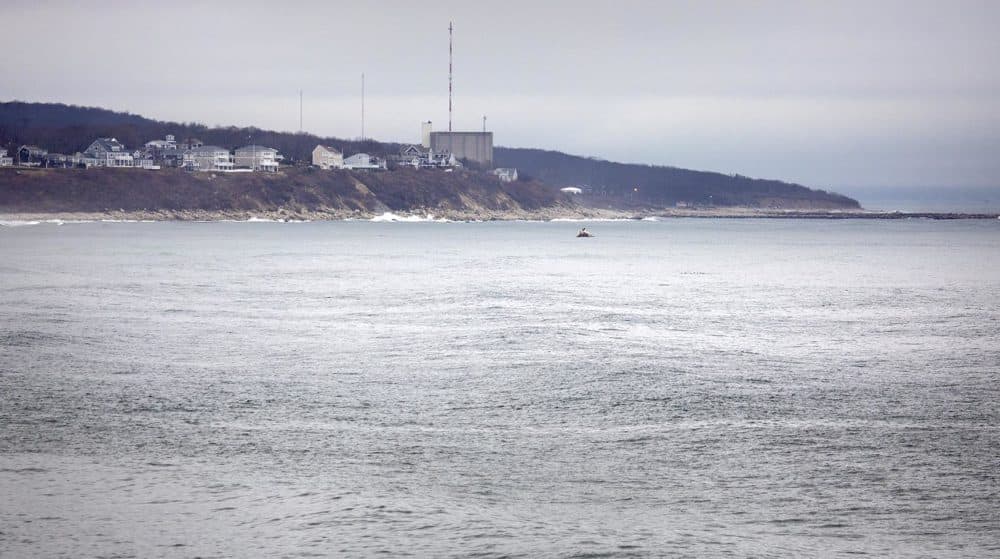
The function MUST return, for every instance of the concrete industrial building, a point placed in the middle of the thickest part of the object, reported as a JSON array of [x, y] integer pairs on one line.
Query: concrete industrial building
[[472, 146], [425, 134]]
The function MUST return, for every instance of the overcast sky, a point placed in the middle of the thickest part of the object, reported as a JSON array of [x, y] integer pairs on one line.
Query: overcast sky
[[829, 94]]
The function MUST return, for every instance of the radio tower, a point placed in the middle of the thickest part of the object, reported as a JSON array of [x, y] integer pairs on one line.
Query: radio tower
[[449, 74]]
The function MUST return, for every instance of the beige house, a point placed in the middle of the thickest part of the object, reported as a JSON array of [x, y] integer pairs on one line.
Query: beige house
[[258, 158], [211, 158], [326, 157]]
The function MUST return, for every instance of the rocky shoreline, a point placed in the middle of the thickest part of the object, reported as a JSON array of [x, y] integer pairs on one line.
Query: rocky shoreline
[[546, 214]]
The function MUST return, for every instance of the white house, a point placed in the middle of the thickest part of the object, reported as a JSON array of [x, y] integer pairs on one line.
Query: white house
[[571, 190], [170, 142], [210, 158], [362, 161], [84, 159], [505, 174], [421, 158], [109, 152], [5, 160], [258, 158], [326, 157]]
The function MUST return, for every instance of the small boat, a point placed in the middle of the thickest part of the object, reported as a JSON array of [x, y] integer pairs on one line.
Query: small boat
[[584, 233]]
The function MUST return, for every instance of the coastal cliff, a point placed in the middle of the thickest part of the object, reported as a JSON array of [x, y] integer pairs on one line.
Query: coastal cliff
[[295, 193], [609, 188]]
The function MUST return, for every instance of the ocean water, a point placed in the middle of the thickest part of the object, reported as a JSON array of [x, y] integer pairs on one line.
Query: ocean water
[[687, 387]]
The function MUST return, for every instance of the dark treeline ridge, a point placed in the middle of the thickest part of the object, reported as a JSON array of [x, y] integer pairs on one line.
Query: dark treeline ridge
[[657, 185], [67, 129]]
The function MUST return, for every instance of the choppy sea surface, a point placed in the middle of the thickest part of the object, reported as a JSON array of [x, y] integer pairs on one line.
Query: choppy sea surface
[[688, 387]]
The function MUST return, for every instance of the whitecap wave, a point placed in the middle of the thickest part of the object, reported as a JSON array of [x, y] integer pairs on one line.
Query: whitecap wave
[[17, 223], [588, 219], [391, 217]]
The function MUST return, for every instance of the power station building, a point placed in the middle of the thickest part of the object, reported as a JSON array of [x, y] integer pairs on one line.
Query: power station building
[[473, 146]]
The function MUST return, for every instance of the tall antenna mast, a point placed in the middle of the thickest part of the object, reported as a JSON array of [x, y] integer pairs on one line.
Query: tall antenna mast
[[300, 110], [484, 123], [362, 106], [449, 74]]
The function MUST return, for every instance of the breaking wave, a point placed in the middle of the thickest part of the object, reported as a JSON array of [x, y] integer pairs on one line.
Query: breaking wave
[[391, 217]]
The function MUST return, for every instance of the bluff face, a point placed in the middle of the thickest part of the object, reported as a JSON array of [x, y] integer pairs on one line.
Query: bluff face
[[302, 192]]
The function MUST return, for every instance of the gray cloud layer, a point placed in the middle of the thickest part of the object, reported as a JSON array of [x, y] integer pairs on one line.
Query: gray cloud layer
[[825, 93]]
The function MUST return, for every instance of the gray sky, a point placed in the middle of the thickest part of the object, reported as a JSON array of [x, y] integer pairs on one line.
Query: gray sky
[[830, 94]]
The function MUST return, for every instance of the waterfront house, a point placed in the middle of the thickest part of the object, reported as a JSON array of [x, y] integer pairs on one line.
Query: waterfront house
[[144, 159], [211, 158], [505, 174], [5, 160], [421, 158], [171, 157], [83, 160], [109, 152], [363, 161], [57, 161], [30, 156], [169, 142], [257, 158], [410, 156], [327, 157]]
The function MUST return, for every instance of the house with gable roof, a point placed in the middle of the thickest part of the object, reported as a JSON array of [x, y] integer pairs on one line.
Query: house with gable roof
[[327, 157], [109, 152]]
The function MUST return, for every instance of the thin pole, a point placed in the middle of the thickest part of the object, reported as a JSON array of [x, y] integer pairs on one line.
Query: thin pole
[[484, 123], [450, 27], [362, 106], [300, 110]]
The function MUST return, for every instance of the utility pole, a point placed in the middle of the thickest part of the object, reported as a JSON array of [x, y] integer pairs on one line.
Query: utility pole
[[484, 123], [300, 111], [362, 106], [450, 28]]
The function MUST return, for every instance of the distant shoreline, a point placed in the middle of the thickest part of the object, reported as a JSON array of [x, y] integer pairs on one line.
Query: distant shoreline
[[562, 214]]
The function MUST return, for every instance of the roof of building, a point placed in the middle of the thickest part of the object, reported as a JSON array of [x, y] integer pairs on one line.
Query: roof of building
[[108, 144], [255, 148], [208, 150], [330, 149], [461, 133]]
